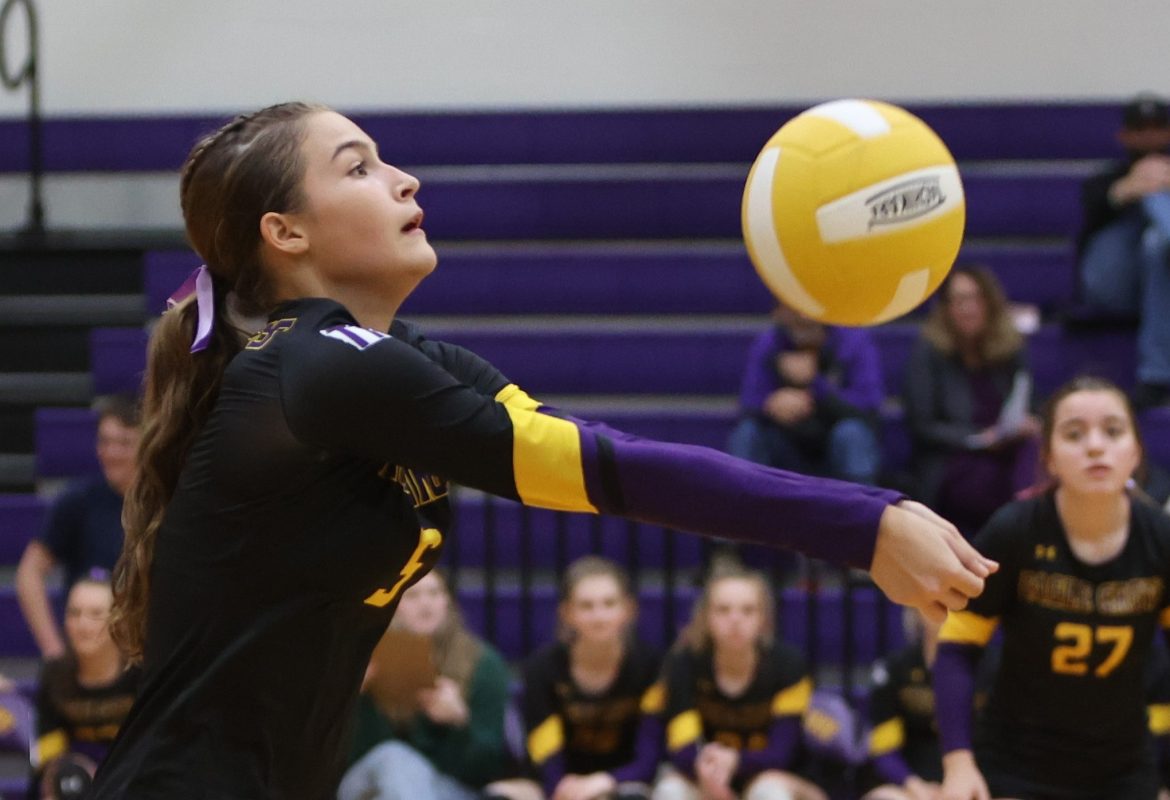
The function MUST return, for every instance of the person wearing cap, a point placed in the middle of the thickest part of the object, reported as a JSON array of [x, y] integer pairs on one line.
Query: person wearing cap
[[1125, 239]]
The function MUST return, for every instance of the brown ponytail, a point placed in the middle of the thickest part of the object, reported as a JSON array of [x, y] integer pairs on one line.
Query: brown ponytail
[[230, 180]]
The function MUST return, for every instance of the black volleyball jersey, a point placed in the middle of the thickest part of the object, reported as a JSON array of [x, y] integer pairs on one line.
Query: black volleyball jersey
[[698, 711], [595, 732], [1069, 698], [293, 531], [901, 711]]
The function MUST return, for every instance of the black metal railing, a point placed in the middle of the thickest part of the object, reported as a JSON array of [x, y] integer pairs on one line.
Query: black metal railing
[[27, 74]]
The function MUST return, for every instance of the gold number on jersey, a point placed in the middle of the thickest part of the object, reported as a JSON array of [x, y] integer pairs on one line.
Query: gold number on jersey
[[428, 539], [1071, 657]]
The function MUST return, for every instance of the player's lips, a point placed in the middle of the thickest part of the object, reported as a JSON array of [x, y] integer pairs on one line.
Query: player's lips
[[414, 224], [1099, 470]]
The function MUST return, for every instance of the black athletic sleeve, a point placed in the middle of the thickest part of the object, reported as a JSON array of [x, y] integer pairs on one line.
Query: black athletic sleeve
[[389, 401]]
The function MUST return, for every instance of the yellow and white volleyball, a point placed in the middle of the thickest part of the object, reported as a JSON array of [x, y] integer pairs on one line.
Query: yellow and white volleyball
[[853, 212]]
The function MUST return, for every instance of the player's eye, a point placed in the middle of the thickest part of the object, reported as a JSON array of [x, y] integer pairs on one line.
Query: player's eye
[[359, 169]]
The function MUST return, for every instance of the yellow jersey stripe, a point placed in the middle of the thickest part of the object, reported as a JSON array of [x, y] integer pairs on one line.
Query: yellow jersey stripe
[[49, 746], [684, 729], [967, 627], [1159, 718], [794, 699], [546, 740], [887, 737], [546, 461], [653, 699], [515, 397]]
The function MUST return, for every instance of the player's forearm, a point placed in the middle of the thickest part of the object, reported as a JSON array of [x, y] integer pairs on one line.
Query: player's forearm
[[892, 768], [708, 492], [647, 753], [954, 690], [38, 613]]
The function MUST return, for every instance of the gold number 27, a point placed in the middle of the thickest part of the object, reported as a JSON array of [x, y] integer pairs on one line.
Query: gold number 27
[[1072, 656]]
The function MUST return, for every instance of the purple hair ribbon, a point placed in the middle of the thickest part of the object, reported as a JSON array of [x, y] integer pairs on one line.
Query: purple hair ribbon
[[201, 284]]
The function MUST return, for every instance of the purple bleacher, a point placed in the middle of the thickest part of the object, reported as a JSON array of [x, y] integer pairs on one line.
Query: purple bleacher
[[972, 131], [64, 441], [508, 610], [870, 612], [616, 360], [21, 517], [15, 639], [515, 527], [688, 206], [638, 279], [648, 279], [163, 271], [117, 359], [1155, 427]]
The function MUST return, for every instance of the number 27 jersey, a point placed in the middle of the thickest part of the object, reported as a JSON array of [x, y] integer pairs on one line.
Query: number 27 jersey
[[1076, 637]]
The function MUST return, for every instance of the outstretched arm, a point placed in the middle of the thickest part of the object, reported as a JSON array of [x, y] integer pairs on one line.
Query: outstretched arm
[[389, 401]]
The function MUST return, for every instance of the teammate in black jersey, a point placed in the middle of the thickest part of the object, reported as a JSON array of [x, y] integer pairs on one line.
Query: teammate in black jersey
[[1080, 596], [292, 481], [735, 698], [592, 702]]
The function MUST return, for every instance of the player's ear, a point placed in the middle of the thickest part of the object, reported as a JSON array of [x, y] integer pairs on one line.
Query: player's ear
[[285, 233]]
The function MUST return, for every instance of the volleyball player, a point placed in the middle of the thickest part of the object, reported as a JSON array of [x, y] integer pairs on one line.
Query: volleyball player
[[1080, 595], [289, 480]]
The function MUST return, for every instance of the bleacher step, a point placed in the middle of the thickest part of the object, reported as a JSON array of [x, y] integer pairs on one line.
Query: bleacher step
[[73, 309], [17, 470], [46, 388]]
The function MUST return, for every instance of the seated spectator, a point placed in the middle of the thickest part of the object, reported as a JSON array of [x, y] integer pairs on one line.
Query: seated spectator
[[968, 402], [906, 762], [734, 699], [446, 741], [810, 399], [1125, 239], [83, 529], [592, 703], [83, 696]]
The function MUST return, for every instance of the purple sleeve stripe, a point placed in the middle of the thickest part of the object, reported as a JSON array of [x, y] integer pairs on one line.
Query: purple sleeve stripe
[[953, 676], [892, 768], [551, 772], [647, 753], [705, 491]]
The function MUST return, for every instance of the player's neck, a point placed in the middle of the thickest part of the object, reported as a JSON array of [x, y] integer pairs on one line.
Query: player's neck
[[593, 656], [735, 664], [100, 669], [1097, 527]]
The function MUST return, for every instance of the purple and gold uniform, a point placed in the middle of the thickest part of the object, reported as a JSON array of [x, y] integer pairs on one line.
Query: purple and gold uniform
[[72, 718], [763, 722], [312, 498], [574, 731], [1066, 717]]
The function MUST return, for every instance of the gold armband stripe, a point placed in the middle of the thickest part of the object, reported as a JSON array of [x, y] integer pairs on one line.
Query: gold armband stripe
[[967, 627]]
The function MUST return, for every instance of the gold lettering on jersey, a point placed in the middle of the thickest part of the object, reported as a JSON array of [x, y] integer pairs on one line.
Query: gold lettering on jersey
[[718, 715], [1056, 591], [1135, 596], [917, 699], [1045, 552], [428, 539], [422, 487], [596, 726], [1070, 594], [262, 338]]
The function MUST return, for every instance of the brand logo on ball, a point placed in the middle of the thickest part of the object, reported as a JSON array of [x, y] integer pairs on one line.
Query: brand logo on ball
[[905, 201]]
